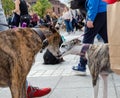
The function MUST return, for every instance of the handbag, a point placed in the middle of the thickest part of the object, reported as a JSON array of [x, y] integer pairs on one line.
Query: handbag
[[113, 26], [77, 4], [25, 17]]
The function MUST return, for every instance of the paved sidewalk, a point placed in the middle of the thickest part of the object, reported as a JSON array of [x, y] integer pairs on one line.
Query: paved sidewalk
[[63, 81]]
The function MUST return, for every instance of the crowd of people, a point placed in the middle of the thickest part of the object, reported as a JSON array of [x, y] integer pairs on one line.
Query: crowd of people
[[70, 19], [73, 20]]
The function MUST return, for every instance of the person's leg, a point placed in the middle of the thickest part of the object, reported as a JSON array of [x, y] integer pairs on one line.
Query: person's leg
[[67, 26], [99, 38], [27, 21], [103, 31], [89, 36], [73, 23], [71, 26], [15, 20]]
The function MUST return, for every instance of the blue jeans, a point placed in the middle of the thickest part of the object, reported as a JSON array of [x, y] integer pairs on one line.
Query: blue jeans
[[2, 19], [69, 26]]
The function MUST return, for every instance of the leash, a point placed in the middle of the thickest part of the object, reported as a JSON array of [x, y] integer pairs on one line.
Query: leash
[[6, 25], [9, 26]]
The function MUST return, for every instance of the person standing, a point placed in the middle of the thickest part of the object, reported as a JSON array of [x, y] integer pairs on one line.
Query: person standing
[[2, 19], [96, 23], [21, 9], [67, 17], [34, 19]]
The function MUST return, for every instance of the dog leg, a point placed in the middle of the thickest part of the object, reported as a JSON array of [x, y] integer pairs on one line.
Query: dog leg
[[96, 87], [105, 82], [18, 89]]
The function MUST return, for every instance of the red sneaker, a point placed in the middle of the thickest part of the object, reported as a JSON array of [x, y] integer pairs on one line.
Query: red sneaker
[[36, 92]]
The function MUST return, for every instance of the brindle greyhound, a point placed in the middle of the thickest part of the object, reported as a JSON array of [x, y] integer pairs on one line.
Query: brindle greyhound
[[98, 60], [18, 48]]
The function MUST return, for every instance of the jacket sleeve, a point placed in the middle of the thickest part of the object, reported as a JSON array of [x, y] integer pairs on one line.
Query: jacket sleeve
[[92, 9]]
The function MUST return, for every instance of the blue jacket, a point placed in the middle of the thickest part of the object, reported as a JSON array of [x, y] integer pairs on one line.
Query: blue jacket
[[93, 7]]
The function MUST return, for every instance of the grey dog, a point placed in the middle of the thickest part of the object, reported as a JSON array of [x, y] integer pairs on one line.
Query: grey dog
[[98, 60]]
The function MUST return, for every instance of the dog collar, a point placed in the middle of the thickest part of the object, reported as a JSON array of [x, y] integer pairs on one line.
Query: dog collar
[[42, 36]]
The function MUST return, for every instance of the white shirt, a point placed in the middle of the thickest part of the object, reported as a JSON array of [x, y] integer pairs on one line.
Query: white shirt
[[67, 15]]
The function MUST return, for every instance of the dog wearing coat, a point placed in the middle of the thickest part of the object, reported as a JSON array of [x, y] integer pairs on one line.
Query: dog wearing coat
[[18, 48], [97, 57]]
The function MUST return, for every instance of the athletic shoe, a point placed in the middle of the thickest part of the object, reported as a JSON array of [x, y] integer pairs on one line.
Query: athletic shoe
[[80, 70], [36, 92]]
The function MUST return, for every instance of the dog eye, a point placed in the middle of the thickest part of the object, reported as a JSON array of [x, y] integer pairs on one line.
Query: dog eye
[[63, 46]]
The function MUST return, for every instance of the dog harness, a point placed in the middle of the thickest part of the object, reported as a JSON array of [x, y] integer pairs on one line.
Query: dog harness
[[42, 36]]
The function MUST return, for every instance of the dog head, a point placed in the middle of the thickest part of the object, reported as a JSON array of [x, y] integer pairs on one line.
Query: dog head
[[57, 26], [70, 47], [50, 38], [59, 23], [53, 41]]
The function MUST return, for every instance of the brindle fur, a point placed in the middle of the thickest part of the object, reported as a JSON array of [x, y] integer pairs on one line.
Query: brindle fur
[[99, 65], [18, 48]]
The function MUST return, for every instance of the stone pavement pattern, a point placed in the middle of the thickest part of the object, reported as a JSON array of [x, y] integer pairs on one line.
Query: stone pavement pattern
[[63, 81]]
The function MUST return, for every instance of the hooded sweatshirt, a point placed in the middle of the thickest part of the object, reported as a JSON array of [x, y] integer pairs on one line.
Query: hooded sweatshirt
[[94, 7]]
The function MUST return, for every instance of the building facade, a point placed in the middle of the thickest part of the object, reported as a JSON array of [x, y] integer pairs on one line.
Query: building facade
[[57, 6]]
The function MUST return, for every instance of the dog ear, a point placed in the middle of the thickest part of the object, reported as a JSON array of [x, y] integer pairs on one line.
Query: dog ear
[[52, 29]]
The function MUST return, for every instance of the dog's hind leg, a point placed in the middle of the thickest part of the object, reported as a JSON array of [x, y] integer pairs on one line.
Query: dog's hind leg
[[105, 86], [96, 88]]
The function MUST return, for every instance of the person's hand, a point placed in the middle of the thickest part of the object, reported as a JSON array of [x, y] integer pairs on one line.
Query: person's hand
[[90, 24]]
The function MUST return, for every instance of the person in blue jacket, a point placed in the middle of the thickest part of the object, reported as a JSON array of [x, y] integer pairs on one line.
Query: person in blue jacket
[[96, 23]]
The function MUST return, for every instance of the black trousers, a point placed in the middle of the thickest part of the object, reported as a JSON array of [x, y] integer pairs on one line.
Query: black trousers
[[100, 27]]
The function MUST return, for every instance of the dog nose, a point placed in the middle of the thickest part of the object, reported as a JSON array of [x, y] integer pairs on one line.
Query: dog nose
[[57, 28]]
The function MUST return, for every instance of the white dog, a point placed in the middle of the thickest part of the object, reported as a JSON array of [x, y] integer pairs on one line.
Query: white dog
[[98, 60]]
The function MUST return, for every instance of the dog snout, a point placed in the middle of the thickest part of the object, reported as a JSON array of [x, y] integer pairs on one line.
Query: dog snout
[[57, 28]]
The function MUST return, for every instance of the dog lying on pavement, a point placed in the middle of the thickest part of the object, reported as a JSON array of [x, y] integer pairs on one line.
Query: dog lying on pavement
[[18, 48], [49, 58], [98, 60]]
